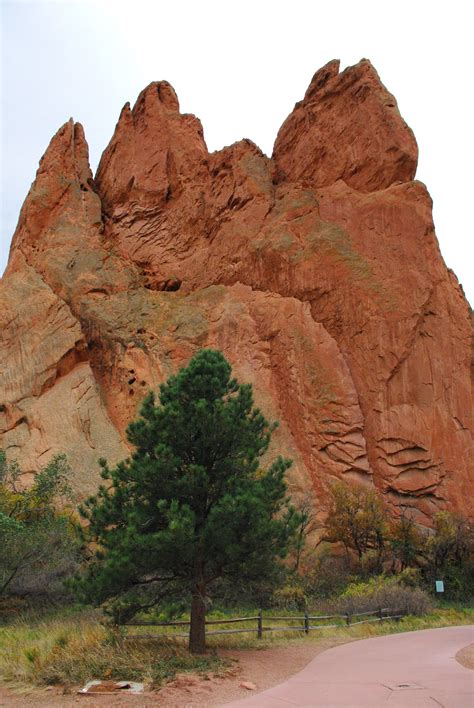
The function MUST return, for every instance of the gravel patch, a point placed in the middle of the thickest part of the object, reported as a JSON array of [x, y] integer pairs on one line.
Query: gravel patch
[[466, 656]]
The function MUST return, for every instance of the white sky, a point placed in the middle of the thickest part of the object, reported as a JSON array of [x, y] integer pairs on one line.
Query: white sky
[[240, 67]]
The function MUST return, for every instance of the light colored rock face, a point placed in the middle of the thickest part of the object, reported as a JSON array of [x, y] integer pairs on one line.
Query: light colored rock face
[[51, 401], [317, 273]]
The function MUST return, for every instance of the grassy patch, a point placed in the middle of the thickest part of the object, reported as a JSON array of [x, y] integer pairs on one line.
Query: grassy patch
[[439, 617], [74, 648], [445, 616]]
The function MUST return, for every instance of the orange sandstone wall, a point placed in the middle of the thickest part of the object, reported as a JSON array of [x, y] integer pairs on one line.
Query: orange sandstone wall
[[317, 272]]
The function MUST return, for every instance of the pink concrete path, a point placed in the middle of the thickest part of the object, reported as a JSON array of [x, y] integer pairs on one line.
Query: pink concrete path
[[414, 669]]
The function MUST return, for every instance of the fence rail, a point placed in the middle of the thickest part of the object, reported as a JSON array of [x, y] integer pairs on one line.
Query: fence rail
[[348, 620]]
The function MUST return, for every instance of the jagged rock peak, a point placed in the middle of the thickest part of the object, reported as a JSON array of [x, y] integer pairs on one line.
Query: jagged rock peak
[[161, 91], [62, 179], [347, 127], [67, 153], [151, 145], [321, 77]]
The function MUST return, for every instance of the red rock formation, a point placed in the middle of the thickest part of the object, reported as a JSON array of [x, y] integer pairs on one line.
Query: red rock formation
[[316, 272], [347, 127]]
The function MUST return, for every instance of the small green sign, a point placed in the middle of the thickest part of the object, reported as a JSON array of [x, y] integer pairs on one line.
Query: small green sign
[[439, 586]]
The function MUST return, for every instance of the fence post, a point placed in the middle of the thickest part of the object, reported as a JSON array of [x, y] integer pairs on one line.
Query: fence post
[[380, 613], [306, 623], [260, 625], [348, 619]]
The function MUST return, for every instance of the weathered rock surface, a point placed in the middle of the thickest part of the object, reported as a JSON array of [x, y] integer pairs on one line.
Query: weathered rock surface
[[316, 272], [347, 127]]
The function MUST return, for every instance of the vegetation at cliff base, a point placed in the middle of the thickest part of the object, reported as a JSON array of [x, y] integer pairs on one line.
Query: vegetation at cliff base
[[364, 542], [39, 534]]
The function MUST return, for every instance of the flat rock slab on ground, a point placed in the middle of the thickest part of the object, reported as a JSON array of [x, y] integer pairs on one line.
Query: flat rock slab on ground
[[417, 669], [112, 687]]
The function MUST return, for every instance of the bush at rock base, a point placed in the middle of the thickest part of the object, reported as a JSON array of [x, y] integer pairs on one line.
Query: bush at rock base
[[39, 535], [383, 592]]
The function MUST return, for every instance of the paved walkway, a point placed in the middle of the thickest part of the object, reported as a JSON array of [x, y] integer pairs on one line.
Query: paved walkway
[[414, 669]]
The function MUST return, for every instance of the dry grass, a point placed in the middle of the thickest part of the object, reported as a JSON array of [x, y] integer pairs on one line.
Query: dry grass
[[439, 617], [76, 648]]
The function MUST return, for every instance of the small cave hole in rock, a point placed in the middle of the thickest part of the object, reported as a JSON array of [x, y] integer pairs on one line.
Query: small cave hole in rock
[[172, 285], [131, 381], [97, 291]]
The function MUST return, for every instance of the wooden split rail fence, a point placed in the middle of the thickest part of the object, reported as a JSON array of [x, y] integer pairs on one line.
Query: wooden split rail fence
[[306, 623]]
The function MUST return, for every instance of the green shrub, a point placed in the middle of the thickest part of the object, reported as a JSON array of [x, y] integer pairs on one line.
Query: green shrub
[[449, 556], [358, 519], [290, 597], [39, 536], [394, 593]]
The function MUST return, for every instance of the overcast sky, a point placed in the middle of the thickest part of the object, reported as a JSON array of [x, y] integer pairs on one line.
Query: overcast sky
[[240, 67]]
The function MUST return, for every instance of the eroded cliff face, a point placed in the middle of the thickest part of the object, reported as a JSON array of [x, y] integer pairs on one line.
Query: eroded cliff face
[[316, 272]]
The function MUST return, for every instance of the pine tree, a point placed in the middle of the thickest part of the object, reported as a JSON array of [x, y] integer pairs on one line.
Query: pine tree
[[191, 505]]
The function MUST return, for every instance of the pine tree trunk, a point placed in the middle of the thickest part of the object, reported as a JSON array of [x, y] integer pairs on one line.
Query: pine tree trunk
[[197, 630]]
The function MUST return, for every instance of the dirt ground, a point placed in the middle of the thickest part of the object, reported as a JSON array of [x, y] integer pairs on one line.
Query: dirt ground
[[466, 656], [263, 667]]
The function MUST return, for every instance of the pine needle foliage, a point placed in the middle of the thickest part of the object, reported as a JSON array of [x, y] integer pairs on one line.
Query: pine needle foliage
[[192, 504]]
